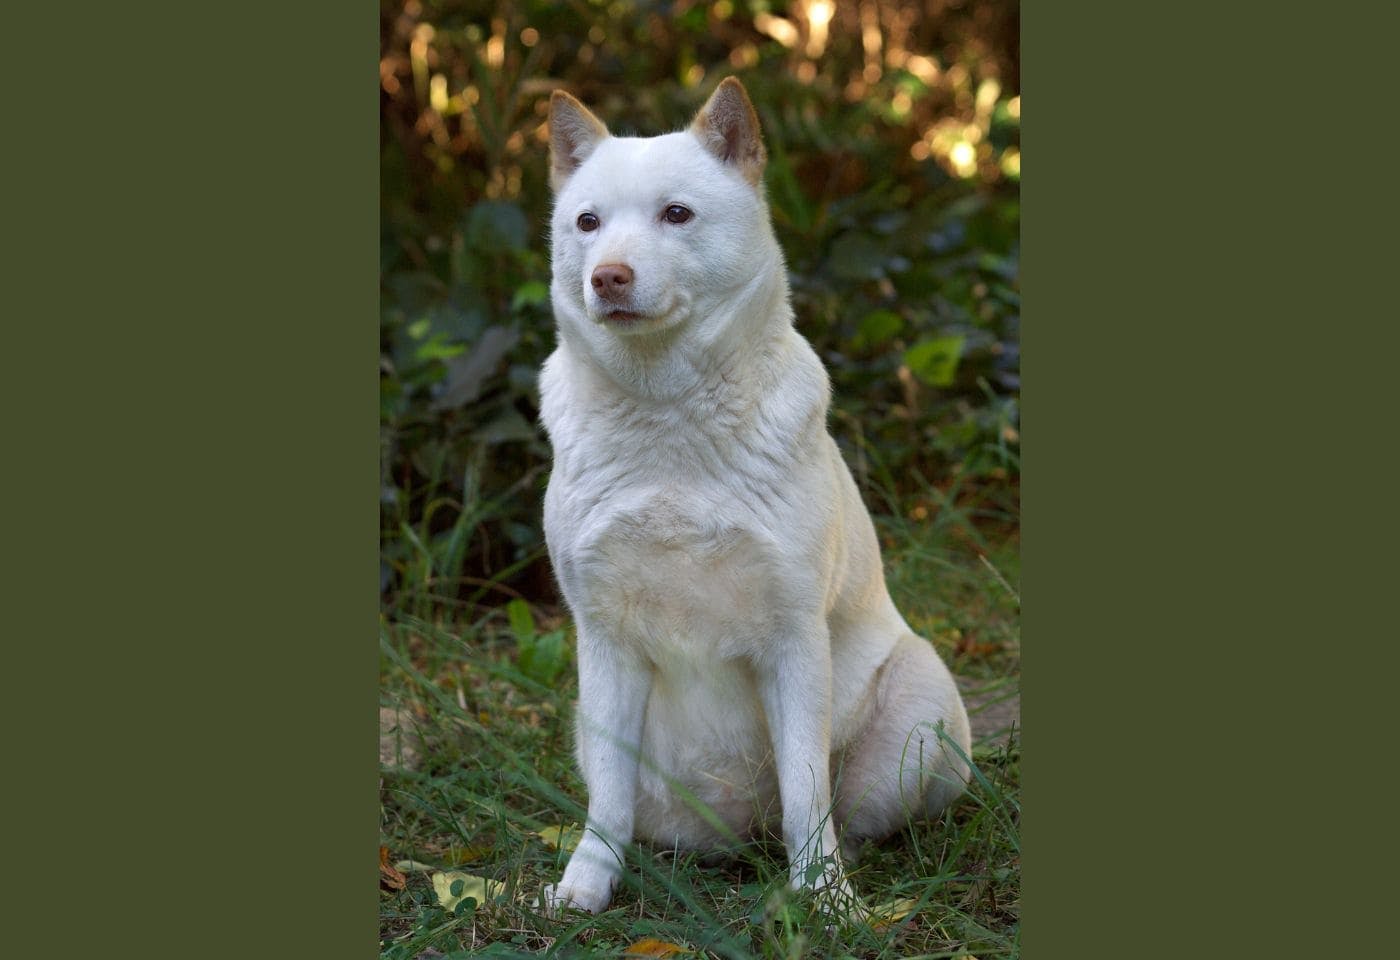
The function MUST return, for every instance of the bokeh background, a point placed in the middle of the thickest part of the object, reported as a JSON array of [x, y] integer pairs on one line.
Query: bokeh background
[[893, 136]]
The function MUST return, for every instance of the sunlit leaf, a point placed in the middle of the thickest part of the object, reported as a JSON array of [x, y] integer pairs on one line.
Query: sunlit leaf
[[885, 914], [564, 837], [935, 361], [452, 887], [438, 348]]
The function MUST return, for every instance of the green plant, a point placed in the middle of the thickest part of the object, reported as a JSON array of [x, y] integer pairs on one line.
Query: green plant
[[542, 655]]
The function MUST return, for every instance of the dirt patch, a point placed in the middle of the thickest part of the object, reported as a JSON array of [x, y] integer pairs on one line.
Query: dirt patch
[[400, 746], [993, 708]]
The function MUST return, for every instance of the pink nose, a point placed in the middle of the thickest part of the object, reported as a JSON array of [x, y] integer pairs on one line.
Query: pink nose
[[612, 281]]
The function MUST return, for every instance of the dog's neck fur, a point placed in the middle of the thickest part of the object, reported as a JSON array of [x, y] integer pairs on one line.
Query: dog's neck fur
[[719, 353]]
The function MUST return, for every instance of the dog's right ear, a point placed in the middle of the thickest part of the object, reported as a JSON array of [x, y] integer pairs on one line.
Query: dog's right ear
[[574, 132]]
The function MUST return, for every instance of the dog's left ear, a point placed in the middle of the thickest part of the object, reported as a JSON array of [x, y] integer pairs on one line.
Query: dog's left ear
[[728, 127]]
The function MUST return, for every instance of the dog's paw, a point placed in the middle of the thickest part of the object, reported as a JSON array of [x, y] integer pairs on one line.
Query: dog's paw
[[834, 895], [556, 899], [841, 905]]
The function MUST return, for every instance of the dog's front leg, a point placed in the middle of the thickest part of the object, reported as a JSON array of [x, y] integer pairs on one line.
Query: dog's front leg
[[613, 689], [794, 683]]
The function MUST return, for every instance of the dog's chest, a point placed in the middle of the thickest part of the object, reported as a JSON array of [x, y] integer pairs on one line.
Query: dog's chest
[[671, 559]]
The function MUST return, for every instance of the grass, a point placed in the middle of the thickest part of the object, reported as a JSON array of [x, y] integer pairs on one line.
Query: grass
[[480, 764]]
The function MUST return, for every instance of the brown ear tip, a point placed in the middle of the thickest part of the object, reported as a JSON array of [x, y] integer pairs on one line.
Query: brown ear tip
[[563, 98]]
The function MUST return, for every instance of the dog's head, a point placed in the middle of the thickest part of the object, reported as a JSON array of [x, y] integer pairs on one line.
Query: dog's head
[[654, 233]]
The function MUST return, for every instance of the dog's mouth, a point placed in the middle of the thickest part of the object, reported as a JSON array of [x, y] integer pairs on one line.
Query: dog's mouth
[[626, 321]]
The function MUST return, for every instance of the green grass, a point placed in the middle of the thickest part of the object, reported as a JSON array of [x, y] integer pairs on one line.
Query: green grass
[[487, 764]]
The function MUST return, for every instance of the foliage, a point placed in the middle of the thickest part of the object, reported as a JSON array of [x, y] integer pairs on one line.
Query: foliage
[[893, 133], [542, 655]]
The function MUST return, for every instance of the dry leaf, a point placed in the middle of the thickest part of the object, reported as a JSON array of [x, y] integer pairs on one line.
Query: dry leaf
[[884, 915], [456, 856], [477, 888], [561, 838], [413, 866], [654, 948], [389, 876]]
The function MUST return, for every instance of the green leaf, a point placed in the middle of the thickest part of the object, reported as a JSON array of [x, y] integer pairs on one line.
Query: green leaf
[[877, 327], [522, 621], [549, 656], [693, 20], [439, 348], [935, 361], [529, 294]]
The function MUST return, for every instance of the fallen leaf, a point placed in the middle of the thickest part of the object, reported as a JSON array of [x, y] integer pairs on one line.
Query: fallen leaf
[[562, 837], [389, 876], [413, 866], [654, 948], [884, 915], [477, 888], [457, 856]]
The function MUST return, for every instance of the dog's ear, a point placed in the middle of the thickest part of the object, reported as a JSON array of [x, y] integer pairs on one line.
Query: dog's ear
[[574, 132], [728, 127]]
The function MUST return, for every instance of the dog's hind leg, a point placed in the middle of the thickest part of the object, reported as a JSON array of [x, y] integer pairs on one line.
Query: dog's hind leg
[[899, 768]]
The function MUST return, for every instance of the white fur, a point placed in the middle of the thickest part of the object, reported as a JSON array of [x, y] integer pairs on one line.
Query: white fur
[[735, 637]]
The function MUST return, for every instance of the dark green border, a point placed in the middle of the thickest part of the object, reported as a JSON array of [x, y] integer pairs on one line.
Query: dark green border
[[192, 304], [192, 313], [1209, 242]]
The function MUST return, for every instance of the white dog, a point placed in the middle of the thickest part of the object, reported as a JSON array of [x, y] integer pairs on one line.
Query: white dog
[[737, 647]]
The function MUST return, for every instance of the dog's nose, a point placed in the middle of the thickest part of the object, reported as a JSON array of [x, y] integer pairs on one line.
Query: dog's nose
[[612, 280]]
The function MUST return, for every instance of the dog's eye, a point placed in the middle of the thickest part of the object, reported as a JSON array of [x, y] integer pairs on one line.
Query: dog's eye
[[676, 213], [587, 222]]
